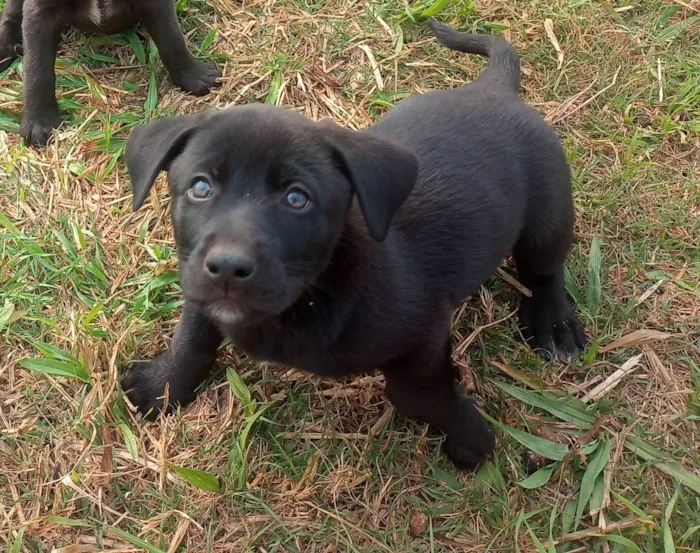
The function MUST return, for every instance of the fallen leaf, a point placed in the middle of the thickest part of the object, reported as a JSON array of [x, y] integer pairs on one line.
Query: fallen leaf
[[549, 29], [657, 366], [613, 380], [638, 337], [76, 548]]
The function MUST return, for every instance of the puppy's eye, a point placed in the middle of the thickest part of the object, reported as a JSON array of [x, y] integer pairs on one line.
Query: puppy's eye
[[296, 198], [200, 190]]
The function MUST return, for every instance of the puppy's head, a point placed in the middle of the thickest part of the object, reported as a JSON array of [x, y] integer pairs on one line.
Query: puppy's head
[[259, 197]]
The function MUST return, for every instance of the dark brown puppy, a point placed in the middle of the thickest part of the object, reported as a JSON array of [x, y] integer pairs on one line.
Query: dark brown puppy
[[36, 26], [338, 251]]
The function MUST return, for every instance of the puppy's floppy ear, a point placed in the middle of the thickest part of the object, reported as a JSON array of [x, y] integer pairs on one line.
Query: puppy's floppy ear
[[152, 147], [381, 172]]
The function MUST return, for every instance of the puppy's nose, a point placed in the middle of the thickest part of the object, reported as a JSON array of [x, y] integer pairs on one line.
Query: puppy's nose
[[229, 265]]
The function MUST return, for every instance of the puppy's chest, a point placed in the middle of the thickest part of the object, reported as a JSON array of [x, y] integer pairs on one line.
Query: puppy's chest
[[104, 15], [99, 11], [311, 352]]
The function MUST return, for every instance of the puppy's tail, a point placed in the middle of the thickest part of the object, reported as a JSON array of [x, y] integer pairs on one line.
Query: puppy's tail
[[504, 62]]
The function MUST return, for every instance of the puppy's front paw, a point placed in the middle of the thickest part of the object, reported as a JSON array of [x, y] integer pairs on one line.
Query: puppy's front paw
[[551, 328], [37, 126], [10, 49], [145, 385], [198, 78], [474, 443]]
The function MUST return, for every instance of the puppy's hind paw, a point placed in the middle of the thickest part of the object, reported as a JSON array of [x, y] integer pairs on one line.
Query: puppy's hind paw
[[37, 129], [465, 455], [10, 50], [475, 441]]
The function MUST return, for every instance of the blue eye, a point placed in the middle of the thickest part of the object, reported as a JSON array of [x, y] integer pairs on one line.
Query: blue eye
[[296, 198], [200, 190]]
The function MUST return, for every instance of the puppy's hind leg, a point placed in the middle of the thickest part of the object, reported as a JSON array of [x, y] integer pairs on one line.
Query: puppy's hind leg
[[41, 31], [10, 33], [190, 74], [547, 319], [422, 385]]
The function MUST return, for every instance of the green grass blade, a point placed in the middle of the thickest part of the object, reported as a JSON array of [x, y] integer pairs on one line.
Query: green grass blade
[[241, 391], [572, 287], [133, 540], [136, 46], [447, 478], [631, 506], [208, 40], [593, 290], [629, 545], [597, 495], [151, 103], [689, 532], [567, 516], [56, 368], [65, 521], [518, 524], [249, 422], [17, 543], [431, 11], [5, 313], [537, 479], [202, 480], [669, 545], [552, 519], [535, 540], [559, 408], [595, 467], [129, 441], [545, 448], [275, 85], [674, 470]]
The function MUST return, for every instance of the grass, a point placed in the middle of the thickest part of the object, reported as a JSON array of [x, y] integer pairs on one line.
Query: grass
[[269, 460]]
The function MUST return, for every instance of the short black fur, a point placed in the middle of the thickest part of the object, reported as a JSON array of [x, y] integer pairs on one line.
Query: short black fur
[[34, 27], [448, 183]]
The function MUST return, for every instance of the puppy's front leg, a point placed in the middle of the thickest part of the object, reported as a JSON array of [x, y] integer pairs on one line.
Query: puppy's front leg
[[180, 369], [190, 74], [10, 32], [40, 30], [422, 386]]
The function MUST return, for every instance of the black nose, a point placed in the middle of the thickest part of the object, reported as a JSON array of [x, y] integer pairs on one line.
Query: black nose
[[230, 264]]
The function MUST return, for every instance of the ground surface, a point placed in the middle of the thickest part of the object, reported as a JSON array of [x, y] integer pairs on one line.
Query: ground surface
[[312, 466]]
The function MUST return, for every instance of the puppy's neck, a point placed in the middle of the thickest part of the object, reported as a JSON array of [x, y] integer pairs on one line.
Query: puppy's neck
[[348, 271], [358, 269]]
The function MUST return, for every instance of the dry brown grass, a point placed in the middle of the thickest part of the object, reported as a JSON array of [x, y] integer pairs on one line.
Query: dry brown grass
[[328, 467]]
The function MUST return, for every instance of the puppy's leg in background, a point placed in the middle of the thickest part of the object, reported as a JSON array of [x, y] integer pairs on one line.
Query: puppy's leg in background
[[40, 31], [547, 319], [190, 74], [181, 369], [422, 385], [10, 32]]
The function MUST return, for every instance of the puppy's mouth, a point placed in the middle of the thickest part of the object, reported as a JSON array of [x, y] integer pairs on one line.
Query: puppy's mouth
[[227, 312], [237, 310]]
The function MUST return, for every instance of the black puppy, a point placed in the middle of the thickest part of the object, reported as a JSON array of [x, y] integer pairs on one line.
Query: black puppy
[[37, 24], [276, 254]]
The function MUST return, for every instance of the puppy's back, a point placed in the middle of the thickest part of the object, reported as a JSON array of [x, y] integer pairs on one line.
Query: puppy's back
[[482, 153]]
